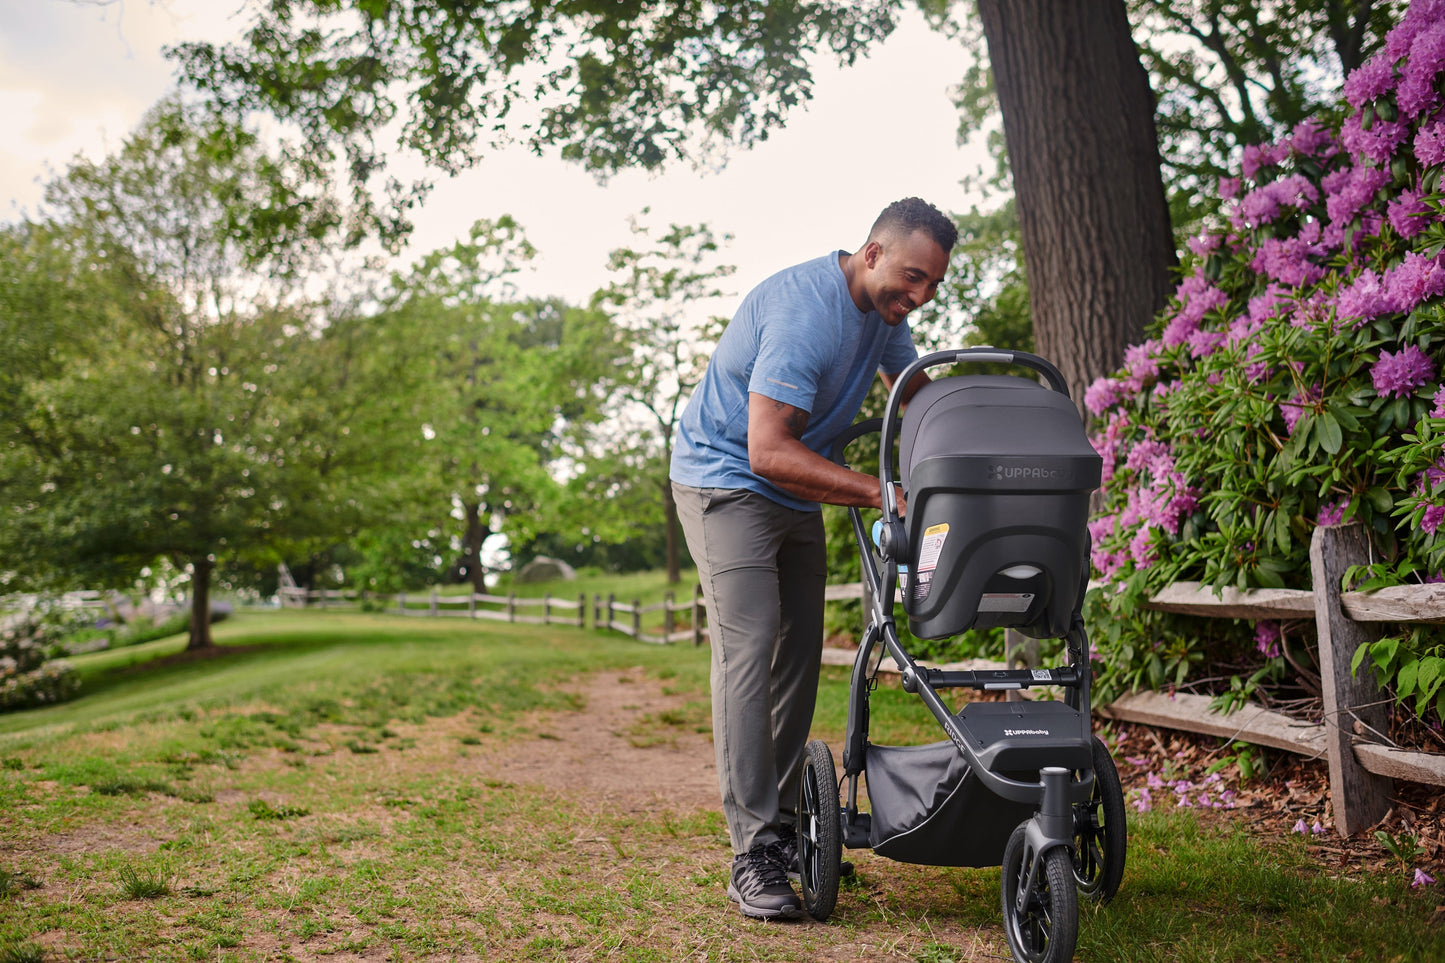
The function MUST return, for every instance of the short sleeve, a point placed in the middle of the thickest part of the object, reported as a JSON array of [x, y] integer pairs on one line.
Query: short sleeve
[[792, 359]]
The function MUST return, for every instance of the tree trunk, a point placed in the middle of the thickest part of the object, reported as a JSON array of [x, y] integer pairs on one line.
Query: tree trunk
[[1078, 118], [200, 637], [468, 565], [669, 511]]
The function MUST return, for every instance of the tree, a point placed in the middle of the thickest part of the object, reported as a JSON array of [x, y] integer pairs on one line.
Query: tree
[[661, 282], [512, 389], [1078, 119], [1233, 73], [610, 85], [185, 408]]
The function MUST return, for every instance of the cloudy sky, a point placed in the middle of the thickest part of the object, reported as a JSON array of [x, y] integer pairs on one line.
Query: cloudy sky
[[76, 76]]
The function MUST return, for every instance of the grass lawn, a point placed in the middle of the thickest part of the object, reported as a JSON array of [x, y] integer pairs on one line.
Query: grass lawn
[[364, 786]]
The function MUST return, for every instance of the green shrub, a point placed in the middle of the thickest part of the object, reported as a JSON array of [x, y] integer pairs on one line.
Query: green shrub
[[1292, 382], [30, 673]]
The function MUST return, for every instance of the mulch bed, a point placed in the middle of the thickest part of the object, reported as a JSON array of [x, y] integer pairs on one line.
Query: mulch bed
[[1163, 769]]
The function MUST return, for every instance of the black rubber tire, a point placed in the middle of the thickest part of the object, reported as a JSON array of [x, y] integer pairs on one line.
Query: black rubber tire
[[1101, 832], [820, 845], [1047, 928]]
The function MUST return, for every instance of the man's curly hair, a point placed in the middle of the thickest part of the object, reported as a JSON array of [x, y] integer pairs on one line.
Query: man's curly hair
[[915, 214]]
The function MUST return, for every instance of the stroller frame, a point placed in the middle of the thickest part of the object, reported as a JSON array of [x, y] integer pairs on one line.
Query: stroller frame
[[1075, 777]]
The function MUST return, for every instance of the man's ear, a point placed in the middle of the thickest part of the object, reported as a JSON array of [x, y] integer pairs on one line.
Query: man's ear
[[871, 252]]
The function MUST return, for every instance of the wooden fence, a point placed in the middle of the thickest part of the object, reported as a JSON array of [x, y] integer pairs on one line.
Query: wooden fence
[[515, 608], [1351, 737]]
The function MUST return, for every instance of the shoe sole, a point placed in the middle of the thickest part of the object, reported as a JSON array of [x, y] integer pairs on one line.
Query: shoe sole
[[763, 912]]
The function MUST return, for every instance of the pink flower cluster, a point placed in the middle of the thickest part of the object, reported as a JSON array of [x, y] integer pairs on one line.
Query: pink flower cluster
[[1399, 374], [1335, 245], [1269, 638]]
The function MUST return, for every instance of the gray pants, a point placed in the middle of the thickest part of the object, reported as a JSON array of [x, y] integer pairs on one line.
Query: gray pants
[[762, 568]]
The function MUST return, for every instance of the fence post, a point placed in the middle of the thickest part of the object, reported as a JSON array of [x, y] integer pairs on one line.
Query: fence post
[[433, 610], [472, 604], [637, 619], [667, 623], [1352, 703], [581, 610], [323, 596], [401, 602], [596, 610], [611, 600], [697, 613], [546, 608], [511, 606]]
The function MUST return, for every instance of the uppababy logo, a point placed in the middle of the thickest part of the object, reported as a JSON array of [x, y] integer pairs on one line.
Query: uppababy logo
[[1029, 473], [1026, 732]]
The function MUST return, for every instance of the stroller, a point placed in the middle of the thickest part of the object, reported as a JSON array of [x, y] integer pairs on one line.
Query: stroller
[[997, 473]]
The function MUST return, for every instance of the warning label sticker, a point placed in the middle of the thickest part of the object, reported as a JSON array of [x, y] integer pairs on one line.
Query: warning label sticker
[[933, 538], [928, 553]]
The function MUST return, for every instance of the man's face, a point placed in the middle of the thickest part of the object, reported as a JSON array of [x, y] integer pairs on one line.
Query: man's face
[[904, 273]]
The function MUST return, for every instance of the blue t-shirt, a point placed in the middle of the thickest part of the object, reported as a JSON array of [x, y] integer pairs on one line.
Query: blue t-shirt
[[797, 338]]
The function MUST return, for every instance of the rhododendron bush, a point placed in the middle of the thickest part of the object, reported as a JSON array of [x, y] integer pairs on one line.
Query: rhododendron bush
[[1293, 381]]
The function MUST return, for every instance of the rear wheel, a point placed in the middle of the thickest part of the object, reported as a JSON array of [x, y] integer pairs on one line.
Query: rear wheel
[[1101, 837], [1043, 926], [820, 849]]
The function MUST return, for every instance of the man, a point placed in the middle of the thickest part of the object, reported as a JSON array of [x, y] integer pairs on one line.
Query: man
[[749, 469]]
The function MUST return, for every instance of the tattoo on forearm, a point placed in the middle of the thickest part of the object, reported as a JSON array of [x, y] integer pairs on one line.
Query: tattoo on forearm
[[796, 419]]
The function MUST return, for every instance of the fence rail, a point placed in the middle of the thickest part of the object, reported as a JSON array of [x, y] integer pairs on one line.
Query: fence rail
[[1362, 762]]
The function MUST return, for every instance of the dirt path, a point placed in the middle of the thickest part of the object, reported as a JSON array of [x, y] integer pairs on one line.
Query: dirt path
[[609, 756]]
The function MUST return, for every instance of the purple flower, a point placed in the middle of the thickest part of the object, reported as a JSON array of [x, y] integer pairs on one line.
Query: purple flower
[[1430, 144], [1379, 143], [1102, 395], [1229, 188], [1414, 280], [1141, 550], [1310, 138], [1204, 244], [1370, 81], [1408, 214], [1332, 514], [1439, 410], [1365, 299], [1290, 260], [1263, 205], [1268, 638], [1422, 878], [1398, 375], [1430, 521], [1300, 827], [1416, 92], [1349, 191]]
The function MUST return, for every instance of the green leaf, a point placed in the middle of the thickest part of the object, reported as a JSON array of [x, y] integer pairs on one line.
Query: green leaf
[[1360, 652], [1331, 437], [1381, 500], [1405, 680], [1383, 653]]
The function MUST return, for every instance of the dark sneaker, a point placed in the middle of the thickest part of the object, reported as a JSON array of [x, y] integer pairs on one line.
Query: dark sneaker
[[759, 885], [788, 850]]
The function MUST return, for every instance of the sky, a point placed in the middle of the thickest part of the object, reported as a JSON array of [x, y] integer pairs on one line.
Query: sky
[[77, 75]]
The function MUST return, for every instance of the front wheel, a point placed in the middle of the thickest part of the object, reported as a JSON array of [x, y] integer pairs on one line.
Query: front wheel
[[820, 847], [1043, 926], [1101, 837]]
